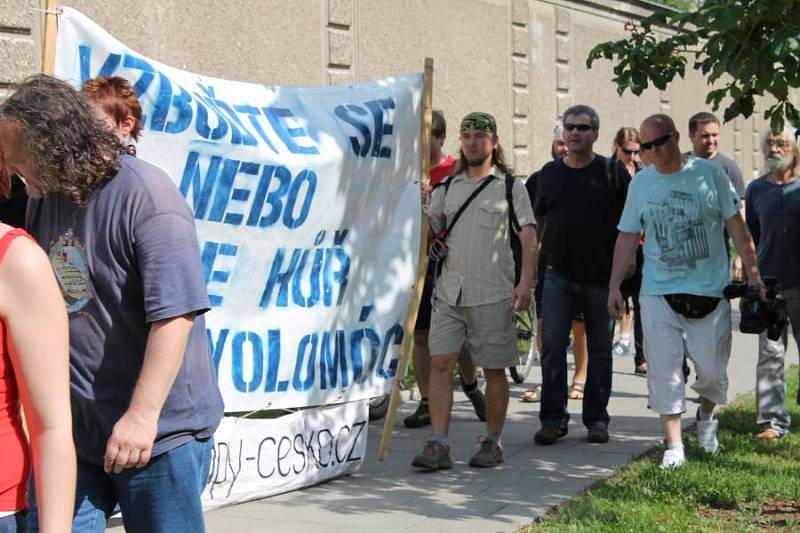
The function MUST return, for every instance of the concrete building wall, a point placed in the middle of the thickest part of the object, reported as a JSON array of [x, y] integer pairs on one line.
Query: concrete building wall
[[522, 60]]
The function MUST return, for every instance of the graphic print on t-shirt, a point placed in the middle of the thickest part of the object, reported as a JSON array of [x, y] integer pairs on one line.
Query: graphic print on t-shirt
[[68, 258], [679, 231]]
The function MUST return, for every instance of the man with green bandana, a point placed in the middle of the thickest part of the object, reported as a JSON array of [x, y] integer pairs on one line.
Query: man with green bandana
[[475, 296]]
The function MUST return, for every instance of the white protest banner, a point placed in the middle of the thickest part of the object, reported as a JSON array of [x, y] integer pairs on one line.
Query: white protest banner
[[258, 458], [307, 208]]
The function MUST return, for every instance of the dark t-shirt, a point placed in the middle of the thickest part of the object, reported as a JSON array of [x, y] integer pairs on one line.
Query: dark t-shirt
[[731, 169], [581, 213], [530, 185], [772, 215], [128, 259], [12, 210]]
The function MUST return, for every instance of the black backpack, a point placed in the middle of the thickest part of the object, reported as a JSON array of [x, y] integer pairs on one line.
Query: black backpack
[[516, 243]]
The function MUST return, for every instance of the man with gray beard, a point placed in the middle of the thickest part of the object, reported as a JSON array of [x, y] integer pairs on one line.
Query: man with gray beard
[[772, 205]]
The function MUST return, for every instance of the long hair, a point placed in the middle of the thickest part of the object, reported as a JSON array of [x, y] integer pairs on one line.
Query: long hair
[[117, 99], [625, 134], [498, 160], [5, 177], [72, 150]]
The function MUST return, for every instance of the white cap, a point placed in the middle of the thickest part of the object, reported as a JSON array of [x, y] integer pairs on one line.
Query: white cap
[[558, 131]]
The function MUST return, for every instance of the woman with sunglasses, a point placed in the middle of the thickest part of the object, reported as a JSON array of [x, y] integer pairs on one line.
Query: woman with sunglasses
[[626, 150], [34, 375]]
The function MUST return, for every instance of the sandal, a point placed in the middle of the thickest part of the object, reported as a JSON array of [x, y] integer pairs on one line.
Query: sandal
[[532, 395], [641, 370], [576, 391]]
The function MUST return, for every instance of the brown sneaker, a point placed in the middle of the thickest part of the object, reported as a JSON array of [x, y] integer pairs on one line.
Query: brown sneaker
[[597, 435], [433, 457], [549, 434], [768, 434], [489, 454]]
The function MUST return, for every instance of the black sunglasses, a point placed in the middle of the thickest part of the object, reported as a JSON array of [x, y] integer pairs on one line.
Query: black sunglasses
[[656, 142], [629, 151], [579, 127]]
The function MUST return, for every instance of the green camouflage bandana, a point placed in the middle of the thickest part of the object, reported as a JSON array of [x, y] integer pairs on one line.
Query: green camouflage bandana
[[479, 121]]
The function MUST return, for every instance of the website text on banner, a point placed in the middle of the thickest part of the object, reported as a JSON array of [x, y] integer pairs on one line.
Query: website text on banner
[[259, 458], [307, 207]]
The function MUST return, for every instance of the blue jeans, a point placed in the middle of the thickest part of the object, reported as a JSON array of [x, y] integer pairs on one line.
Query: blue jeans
[[14, 523], [164, 496], [558, 310]]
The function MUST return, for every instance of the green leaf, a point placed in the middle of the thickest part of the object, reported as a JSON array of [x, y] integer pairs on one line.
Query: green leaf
[[780, 88], [776, 123]]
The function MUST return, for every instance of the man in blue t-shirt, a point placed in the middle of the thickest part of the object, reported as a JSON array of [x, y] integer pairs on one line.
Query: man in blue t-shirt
[[773, 217], [123, 246], [682, 206]]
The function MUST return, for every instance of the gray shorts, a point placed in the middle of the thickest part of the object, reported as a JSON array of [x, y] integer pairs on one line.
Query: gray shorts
[[488, 330]]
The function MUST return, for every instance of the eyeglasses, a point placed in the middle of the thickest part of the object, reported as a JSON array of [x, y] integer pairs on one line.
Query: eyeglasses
[[656, 142], [769, 143], [629, 151], [579, 127]]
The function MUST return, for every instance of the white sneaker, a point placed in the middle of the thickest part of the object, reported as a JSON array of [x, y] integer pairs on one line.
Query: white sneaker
[[621, 350], [707, 435], [673, 458]]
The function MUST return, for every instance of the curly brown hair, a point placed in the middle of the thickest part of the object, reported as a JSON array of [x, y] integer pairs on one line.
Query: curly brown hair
[[72, 150], [5, 177]]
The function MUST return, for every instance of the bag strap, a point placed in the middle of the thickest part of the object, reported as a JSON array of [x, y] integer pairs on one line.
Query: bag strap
[[445, 232], [612, 177], [444, 183], [512, 214]]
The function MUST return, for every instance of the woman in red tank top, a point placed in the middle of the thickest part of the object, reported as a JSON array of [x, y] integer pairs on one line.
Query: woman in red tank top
[[34, 374]]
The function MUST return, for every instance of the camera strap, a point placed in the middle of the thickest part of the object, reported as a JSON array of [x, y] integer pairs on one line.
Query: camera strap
[[445, 232], [437, 249]]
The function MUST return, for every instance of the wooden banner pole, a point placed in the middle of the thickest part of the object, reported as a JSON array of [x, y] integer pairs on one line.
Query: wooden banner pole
[[50, 35], [407, 345]]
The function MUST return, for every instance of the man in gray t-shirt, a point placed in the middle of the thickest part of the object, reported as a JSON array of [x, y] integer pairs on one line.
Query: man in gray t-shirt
[[122, 242], [704, 135]]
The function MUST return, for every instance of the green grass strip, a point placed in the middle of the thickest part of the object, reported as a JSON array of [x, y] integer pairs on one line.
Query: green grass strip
[[750, 486]]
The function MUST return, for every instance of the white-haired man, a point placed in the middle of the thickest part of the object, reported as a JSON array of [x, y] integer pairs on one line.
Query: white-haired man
[[772, 204]]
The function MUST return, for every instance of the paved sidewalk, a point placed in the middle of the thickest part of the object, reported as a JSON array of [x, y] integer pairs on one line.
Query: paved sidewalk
[[392, 496]]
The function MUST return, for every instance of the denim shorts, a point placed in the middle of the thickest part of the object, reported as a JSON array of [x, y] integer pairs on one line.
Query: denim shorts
[[14, 523]]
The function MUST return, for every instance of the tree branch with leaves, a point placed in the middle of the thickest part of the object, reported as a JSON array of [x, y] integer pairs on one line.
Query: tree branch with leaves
[[751, 47]]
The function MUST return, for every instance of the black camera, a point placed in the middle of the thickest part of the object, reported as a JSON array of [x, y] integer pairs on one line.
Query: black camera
[[758, 316]]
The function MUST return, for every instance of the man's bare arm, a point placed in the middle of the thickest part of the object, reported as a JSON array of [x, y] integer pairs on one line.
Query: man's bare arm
[[131, 441]]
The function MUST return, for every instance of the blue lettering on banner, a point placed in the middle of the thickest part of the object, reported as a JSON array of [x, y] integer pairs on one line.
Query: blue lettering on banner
[[246, 193], [370, 139], [288, 135], [236, 123], [325, 360], [317, 273], [257, 355], [308, 341], [214, 271], [333, 365]]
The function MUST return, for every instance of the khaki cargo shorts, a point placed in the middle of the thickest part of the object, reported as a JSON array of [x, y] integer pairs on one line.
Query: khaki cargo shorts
[[487, 329]]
